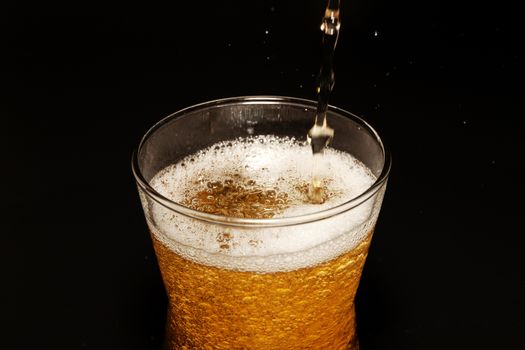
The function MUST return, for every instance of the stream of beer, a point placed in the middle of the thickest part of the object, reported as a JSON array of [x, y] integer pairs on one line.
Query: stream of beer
[[320, 135]]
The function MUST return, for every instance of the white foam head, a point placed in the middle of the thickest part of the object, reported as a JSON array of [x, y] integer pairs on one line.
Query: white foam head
[[280, 164]]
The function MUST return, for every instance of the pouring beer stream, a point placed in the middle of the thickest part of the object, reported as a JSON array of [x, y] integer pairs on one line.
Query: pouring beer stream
[[320, 135]]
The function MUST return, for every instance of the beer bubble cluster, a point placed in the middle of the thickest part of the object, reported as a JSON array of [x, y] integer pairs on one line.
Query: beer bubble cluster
[[259, 178]]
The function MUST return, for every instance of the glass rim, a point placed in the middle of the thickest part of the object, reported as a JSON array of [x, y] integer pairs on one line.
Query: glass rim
[[263, 222]]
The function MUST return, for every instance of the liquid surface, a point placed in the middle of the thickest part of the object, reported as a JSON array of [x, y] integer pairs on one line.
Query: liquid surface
[[261, 177]]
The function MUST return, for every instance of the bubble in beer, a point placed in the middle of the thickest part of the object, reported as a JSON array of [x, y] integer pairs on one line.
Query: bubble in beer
[[262, 177]]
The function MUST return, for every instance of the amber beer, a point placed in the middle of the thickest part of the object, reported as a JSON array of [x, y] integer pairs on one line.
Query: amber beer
[[247, 260], [217, 308]]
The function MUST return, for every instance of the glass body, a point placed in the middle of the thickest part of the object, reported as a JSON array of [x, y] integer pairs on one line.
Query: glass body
[[220, 301]]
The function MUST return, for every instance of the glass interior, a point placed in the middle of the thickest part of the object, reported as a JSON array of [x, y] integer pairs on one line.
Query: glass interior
[[203, 125]]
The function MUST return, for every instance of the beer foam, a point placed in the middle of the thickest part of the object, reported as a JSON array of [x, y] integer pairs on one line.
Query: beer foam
[[271, 162]]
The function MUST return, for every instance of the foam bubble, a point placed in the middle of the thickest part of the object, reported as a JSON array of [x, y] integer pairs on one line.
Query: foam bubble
[[280, 164]]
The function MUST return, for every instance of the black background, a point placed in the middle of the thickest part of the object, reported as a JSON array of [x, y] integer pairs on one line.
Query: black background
[[81, 83]]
